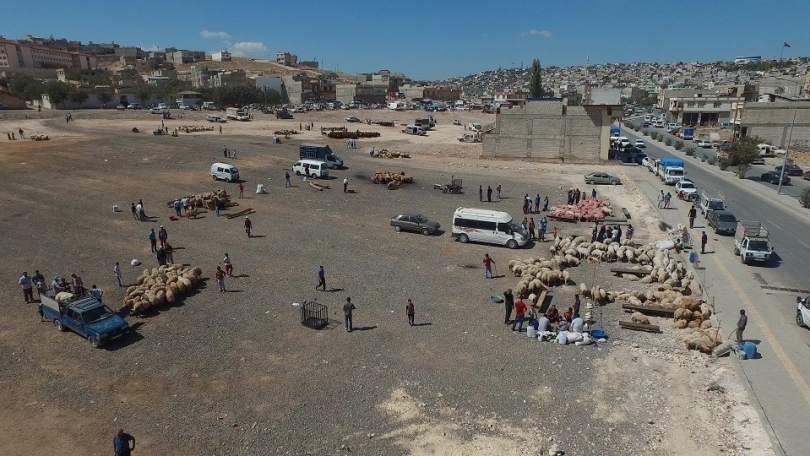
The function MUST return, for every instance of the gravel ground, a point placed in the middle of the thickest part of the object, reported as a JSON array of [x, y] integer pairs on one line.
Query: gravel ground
[[236, 374]]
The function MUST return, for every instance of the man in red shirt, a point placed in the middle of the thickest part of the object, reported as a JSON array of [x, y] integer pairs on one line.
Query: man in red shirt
[[220, 275], [488, 262], [248, 225], [520, 315]]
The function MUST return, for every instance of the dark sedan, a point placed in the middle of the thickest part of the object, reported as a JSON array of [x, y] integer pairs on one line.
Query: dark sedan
[[791, 169], [723, 222], [772, 177], [417, 223]]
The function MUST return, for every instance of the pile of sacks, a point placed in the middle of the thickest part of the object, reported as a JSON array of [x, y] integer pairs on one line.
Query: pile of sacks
[[588, 210], [385, 153], [163, 285]]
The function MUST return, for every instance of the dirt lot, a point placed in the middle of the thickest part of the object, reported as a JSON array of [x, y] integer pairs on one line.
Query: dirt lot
[[236, 374]]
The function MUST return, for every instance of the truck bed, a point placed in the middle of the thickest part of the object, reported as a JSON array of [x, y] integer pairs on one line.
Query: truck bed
[[751, 230]]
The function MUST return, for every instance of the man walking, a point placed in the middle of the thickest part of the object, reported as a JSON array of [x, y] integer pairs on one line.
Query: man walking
[[410, 311], [27, 287], [661, 200], [703, 240], [228, 266], [692, 215], [488, 262], [480, 193], [241, 190], [163, 236], [741, 324], [509, 304], [177, 207], [185, 203], [287, 183], [248, 226], [134, 212], [498, 189], [153, 240], [667, 200], [123, 443], [345, 185], [220, 275], [489, 194], [321, 279], [347, 313], [117, 272], [140, 212]]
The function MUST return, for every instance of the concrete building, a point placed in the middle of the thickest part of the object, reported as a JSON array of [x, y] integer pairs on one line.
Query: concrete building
[[160, 78], [300, 88], [364, 93], [701, 110], [14, 55], [188, 98], [268, 83], [510, 97], [222, 56], [286, 59], [228, 78], [177, 56], [439, 93], [772, 122], [129, 53], [312, 64], [548, 130]]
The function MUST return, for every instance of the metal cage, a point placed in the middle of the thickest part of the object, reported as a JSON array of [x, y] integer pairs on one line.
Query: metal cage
[[314, 315]]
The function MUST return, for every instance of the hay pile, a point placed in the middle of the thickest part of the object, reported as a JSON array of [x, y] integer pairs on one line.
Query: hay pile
[[385, 153], [382, 177], [588, 210], [163, 285]]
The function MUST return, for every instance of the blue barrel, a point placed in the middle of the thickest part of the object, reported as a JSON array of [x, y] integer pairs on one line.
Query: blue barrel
[[749, 348]]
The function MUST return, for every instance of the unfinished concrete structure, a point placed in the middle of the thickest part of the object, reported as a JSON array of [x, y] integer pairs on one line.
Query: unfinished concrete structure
[[548, 130], [773, 122]]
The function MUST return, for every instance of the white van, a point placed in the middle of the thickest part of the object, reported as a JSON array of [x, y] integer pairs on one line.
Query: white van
[[224, 171], [413, 130], [490, 227], [311, 168], [215, 118]]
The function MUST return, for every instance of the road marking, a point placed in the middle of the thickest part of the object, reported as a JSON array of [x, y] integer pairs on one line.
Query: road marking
[[774, 224], [788, 364]]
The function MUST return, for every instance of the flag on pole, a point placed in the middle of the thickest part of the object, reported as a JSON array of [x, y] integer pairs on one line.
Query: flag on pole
[[787, 45]]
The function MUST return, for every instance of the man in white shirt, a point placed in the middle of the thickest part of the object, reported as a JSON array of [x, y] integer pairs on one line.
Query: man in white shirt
[[27, 287], [117, 272], [577, 324], [345, 185]]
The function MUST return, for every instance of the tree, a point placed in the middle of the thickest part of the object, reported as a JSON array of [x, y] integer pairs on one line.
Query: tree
[[272, 97], [536, 83], [104, 97], [144, 95], [33, 91], [742, 153], [58, 91], [79, 96], [18, 84]]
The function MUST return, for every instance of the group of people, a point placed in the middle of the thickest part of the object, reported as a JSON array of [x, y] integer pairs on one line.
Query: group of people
[[228, 153], [575, 195], [138, 212], [58, 285], [607, 233], [12, 136], [664, 200], [489, 193], [530, 226], [529, 208], [550, 321]]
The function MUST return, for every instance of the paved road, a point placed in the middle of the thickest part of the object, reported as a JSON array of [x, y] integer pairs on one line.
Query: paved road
[[779, 382]]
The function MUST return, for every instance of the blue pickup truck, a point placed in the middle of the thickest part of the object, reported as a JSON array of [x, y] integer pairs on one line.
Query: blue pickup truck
[[86, 316]]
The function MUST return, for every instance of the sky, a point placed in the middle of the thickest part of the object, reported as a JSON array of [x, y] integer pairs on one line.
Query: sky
[[435, 39]]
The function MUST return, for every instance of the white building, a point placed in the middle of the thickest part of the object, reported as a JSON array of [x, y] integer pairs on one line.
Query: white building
[[222, 56]]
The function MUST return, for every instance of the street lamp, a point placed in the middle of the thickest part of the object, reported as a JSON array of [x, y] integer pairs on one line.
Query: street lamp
[[790, 138]]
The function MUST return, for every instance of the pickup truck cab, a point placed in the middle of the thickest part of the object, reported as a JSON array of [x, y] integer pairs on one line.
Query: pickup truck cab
[[803, 311], [86, 316]]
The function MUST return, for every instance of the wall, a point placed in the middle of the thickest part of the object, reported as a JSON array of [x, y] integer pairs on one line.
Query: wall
[[772, 122], [12, 101]]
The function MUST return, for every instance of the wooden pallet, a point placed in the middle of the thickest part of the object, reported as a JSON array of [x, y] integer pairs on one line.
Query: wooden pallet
[[626, 213], [240, 213], [562, 219], [316, 186], [655, 311], [635, 272], [639, 327]]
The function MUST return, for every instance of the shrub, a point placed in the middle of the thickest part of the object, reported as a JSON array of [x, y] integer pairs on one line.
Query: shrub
[[742, 168], [804, 197], [654, 135], [724, 163], [678, 145], [646, 133], [669, 142], [690, 151], [712, 161]]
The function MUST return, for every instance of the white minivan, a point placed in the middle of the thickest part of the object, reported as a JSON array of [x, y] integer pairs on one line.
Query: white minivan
[[224, 171], [487, 226], [311, 168]]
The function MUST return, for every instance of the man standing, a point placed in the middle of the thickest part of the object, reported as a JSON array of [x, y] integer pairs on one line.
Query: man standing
[[498, 189], [134, 212], [489, 194], [509, 304], [224, 151], [163, 235], [577, 304], [692, 215], [543, 228], [347, 313], [703, 240], [241, 190], [480, 193], [488, 262], [321, 279], [520, 315], [96, 292], [287, 183], [410, 311], [345, 185], [153, 240], [248, 226], [220, 275], [121, 443], [545, 204], [741, 324], [537, 203], [140, 213], [177, 207], [228, 266], [661, 200], [630, 231], [27, 287], [161, 256], [185, 203], [117, 272]]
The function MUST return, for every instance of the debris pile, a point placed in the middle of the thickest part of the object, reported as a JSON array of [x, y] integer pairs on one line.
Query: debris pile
[[285, 132], [159, 286], [586, 210]]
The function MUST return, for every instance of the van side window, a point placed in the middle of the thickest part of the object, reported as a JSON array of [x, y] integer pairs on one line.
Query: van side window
[[504, 228], [464, 223], [489, 226]]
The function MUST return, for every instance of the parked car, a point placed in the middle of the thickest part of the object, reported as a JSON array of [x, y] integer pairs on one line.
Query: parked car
[[640, 143], [284, 115], [2, 107], [758, 160], [134, 106], [416, 223], [803, 311], [352, 119], [120, 107], [704, 143], [183, 107], [723, 222], [685, 186], [791, 169], [601, 178], [156, 111], [772, 177], [722, 145]]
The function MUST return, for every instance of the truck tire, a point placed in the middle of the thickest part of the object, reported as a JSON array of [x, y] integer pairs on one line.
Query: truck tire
[[463, 238], [742, 259], [799, 320], [512, 244], [94, 342], [59, 326], [736, 251]]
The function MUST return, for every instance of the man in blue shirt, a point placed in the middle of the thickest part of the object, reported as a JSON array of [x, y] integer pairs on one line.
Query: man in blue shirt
[[321, 279], [121, 444]]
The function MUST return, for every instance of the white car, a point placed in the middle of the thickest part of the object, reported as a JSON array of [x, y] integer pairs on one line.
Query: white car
[[640, 143], [156, 111], [803, 311], [685, 186], [704, 143], [183, 107]]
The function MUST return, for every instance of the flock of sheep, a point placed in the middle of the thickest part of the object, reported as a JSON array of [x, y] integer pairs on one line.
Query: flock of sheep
[[163, 285]]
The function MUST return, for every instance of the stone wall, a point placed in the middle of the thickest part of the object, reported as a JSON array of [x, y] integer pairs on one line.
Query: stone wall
[[772, 122]]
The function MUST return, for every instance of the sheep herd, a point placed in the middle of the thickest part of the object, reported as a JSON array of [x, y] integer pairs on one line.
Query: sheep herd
[[159, 286]]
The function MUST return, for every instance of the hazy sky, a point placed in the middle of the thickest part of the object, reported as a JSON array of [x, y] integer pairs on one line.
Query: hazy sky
[[433, 39]]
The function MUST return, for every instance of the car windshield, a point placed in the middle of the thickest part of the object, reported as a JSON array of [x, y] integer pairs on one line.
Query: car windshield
[[98, 313], [759, 246], [687, 185], [514, 227], [726, 218], [716, 205], [420, 218], [676, 172]]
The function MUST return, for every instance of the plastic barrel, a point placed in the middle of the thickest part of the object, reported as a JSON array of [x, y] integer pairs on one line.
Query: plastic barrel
[[749, 349]]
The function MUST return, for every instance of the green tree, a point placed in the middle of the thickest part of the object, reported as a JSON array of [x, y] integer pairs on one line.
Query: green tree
[[58, 92], [104, 96], [79, 96], [536, 83], [144, 94], [272, 97], [33, 91], [18, 84], [742, 153]]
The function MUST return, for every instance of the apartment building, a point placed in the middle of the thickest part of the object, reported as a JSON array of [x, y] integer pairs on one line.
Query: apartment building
[[286, 59], [222, 56], [16, 55]]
